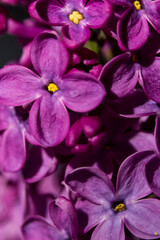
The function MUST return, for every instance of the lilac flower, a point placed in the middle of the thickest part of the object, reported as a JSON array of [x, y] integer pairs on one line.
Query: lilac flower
[[64, 218], [133, 28], [48, 118], [101, 206], [122, 73], [76, 17]]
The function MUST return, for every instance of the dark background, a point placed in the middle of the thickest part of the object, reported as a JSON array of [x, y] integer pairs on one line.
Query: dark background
[[10, 48]]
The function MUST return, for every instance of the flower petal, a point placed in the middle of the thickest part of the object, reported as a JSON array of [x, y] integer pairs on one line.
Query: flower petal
[[91, 184], [89, 214], [112, 228], [97, 12], [19, 85], [81, 91], [36, 228], [152, 10], [5, 117], [120, 75], [64, 216], [49, 121], [13, 153], [49, 56], [151, 80], [153, 174], [75, 35], [48, 11], [133, 30], [131, 180], [142, 218]]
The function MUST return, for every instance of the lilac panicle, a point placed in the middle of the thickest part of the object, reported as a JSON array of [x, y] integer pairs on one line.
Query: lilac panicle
[[64, 217], [75, 30], [52, 90], [101, 206], [70, 172]]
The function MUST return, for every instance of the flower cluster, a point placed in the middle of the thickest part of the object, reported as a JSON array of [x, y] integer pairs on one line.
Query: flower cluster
[[80, 121]]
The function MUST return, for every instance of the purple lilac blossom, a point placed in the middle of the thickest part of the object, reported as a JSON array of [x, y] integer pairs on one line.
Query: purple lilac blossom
[[76, 17], [121, 74], [51, 87], [53, 91], [133, 28], [65, 223], [100, 206]]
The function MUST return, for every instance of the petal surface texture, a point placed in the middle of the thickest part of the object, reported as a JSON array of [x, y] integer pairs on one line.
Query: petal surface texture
[[49, 120], [19, 85], [120, 75], [81, 91], [143, 220], [133, 30], [38, 229], [49, 56]]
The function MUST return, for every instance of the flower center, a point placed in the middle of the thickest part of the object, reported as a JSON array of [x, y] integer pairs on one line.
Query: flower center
[[52, 87], [137, 5], [75, 17], [135, 58], [120, 207]]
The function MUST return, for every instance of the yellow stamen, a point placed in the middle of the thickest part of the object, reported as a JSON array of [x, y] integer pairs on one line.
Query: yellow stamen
[[75, 17], [137, 5], [156, 233], [52, 87], [120, 207]]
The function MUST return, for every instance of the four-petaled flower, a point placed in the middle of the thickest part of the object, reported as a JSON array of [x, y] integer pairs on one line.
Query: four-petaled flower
[[52, 90], [76, 17], [100, 205]]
